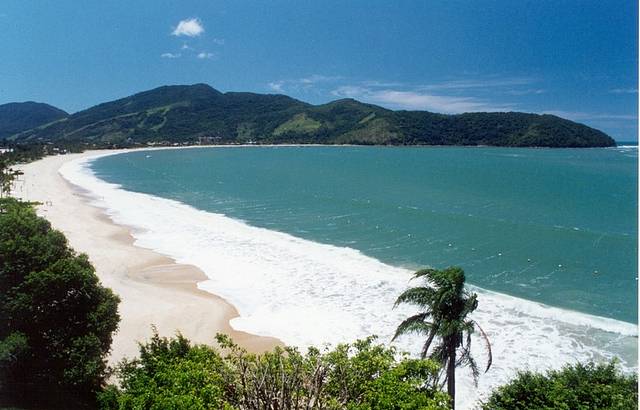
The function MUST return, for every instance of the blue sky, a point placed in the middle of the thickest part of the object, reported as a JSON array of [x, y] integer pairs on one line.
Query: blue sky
[[576, 59]]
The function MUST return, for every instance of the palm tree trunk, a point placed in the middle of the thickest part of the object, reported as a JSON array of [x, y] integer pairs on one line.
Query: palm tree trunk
[[451, 374]]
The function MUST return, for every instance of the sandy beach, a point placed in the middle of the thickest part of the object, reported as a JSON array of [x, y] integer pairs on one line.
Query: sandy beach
[[154, 290]]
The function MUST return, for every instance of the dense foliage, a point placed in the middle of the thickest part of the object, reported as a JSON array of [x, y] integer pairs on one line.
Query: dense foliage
[[576, 387], [445, 305], [8, 175], [199, 113], [56, 320], [172, 373], [18, 117]]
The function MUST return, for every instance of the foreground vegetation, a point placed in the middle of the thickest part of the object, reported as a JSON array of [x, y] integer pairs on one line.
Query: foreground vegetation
[[579, 387], [56, 320], [174, 374], [57, 323], [171, 373]]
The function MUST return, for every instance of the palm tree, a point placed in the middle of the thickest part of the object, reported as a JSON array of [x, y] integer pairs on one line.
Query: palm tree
[[445, 305]]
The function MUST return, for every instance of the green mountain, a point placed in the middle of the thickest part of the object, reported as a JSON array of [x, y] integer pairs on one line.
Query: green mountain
[[199, 113], [18, 117]]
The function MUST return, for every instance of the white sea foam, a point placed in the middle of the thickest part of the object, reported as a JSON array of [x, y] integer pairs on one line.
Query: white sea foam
[[305, 293]]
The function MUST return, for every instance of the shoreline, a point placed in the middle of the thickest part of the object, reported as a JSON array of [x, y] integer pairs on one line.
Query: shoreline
[[570, 335], [154, 289], [99, 153]]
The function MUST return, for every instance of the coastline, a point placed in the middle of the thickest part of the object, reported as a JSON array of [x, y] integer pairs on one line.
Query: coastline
[[287, 265], [154, 289]]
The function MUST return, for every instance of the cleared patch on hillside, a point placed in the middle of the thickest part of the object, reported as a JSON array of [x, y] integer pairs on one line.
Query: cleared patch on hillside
[[367, 118], [300, 123], [375, 131]]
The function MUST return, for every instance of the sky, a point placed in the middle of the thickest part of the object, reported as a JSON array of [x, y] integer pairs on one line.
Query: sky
[[576, 59]]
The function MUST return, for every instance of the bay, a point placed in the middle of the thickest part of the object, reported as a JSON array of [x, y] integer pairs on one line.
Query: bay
[[554, 226]]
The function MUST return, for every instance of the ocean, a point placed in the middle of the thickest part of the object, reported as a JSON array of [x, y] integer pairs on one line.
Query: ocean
[[313, 244]]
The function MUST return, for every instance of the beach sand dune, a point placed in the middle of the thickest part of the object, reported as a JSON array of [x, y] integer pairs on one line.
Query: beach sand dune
[[154, 290]]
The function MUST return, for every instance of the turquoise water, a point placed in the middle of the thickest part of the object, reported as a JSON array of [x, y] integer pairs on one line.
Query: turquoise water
[[553, 226]]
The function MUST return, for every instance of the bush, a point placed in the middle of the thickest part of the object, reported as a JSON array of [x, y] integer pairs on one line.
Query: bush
[[171, 373], [579, 387], [56, 320]]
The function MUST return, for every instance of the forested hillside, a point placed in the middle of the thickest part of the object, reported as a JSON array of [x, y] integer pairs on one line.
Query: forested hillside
[[18, 117], [201, 114]]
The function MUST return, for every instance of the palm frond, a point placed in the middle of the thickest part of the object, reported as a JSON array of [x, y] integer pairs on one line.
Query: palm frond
[[465, 352], [413, 324], [487, 345], [428, 272], [466, 359], [421, 296], [474, 369], [442, 376], [427, 343], [470, 302], [439, 354]]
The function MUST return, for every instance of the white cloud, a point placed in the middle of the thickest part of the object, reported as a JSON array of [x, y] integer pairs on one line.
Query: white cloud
[[447, 104], [205, 55], [350, 91], [526, 91], [276, 86], [218, 41], [316, 78], [451, 96], [376, 83], [301, 84], [170, 55], [189, 27], [480, 83], [419, 100], [624, 91]]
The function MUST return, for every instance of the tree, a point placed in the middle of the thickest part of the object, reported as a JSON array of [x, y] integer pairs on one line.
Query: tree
[[169, 374], [445, 306], [56, 320], [579, 386], [7, 175]]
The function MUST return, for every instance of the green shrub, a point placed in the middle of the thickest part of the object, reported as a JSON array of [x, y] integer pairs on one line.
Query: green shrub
[[171, 373], [579, 387]]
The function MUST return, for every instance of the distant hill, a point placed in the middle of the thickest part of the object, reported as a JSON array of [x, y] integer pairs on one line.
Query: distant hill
[[18, 117], [200, 113]]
